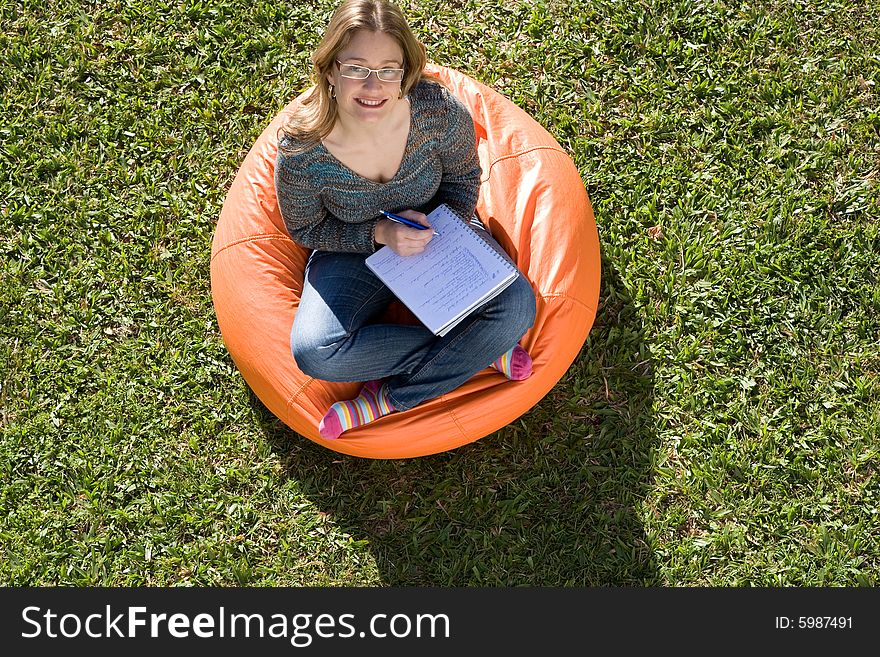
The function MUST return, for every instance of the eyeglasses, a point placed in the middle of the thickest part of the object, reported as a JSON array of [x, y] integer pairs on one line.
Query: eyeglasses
[[355, 72]]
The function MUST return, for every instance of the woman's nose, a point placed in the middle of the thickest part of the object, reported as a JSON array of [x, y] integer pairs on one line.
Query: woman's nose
[[373, 80]]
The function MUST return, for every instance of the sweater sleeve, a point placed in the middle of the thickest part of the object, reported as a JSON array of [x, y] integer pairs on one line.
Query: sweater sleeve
[[307, 219], [460, 186]]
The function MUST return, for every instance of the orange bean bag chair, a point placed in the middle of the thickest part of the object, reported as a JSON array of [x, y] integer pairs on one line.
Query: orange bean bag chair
[[533, 201]]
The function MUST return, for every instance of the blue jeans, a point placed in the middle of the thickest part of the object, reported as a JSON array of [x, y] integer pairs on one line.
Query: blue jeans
[[335, 336]]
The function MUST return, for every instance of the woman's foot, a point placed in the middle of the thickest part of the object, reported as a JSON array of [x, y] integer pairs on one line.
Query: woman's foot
[[516, 364], [371, 404]]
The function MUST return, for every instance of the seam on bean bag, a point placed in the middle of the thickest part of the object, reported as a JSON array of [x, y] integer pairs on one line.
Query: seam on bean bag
[[569, 298], [295, 396], [252, 238], [518, 154], [451, 411]]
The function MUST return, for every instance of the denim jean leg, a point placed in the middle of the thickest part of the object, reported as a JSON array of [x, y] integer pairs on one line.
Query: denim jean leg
[[333, 339], [471, 346]]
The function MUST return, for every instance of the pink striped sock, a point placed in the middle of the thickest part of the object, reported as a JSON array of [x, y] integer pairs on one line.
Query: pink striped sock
[[516, 364], [371, 404]]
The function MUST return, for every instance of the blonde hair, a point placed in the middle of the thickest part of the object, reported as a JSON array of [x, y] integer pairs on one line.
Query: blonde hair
[[315, 116]]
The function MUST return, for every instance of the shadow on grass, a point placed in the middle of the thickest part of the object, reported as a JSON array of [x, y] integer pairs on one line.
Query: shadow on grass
[[553, 499]]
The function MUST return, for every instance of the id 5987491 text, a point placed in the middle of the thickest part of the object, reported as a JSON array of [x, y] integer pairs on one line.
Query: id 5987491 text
[[814, 622]]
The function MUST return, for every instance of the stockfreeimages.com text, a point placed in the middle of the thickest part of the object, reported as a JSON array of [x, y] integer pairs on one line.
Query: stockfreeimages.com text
[[300, 629]]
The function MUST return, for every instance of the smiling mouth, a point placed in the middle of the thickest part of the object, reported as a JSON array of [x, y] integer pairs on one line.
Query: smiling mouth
[[363, 102]]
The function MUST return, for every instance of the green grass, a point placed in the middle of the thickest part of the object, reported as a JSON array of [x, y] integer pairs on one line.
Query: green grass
[[720, 426]]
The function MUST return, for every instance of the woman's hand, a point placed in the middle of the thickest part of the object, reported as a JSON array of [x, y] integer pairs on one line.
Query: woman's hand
[[403, 240]]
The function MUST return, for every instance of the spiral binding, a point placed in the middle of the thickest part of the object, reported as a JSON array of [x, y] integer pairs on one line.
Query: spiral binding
[[443, 207]]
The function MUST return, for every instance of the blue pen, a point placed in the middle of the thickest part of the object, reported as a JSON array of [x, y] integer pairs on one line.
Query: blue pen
[[405, 221]]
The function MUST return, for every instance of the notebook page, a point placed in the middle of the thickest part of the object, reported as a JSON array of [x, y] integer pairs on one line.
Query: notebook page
[[456, 272]]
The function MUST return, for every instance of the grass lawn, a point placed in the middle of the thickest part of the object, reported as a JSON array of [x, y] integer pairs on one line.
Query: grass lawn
[[720, 427]]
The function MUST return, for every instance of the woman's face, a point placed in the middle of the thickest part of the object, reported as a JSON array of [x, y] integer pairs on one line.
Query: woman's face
[[369, 100]]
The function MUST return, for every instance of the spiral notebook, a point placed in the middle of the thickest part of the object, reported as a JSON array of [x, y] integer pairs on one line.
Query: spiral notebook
[[456, 273]]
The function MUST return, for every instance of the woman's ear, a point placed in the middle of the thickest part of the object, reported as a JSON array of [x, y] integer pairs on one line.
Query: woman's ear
[[330, 75]]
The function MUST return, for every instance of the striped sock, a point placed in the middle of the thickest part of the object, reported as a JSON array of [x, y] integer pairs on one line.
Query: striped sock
[[516, 364], [371, 404]]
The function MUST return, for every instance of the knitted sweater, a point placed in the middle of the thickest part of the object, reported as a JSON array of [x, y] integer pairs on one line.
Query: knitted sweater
[[327, 206]]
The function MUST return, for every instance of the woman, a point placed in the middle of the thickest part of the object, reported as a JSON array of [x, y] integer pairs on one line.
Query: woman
[[376, 134]]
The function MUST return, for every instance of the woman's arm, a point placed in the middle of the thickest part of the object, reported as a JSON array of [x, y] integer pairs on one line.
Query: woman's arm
[[308, 221], [460, 186]]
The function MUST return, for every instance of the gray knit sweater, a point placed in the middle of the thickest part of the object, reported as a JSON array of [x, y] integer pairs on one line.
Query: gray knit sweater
[[327, 206]]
